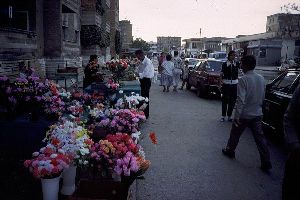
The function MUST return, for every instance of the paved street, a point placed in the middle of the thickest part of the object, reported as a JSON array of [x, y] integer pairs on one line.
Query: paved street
[[187, 162]]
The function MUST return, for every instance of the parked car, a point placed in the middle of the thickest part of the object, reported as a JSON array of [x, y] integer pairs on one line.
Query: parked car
[[206, 77], [278, 95], [192, 62]]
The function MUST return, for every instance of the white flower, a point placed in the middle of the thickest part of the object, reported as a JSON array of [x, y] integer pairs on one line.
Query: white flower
[[35, 154], [53, 155], [121, 91], [85, 162]]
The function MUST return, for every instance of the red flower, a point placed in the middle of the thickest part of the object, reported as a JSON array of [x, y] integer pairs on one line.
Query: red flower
[[153, 138], [55, 142]]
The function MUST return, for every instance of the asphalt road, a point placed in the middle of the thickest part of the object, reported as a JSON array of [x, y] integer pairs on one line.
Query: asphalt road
[[187, 163]]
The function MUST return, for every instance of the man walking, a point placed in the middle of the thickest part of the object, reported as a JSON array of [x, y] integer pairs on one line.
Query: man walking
[[248, 113], [290, 185], [146, 72], [230, 70]]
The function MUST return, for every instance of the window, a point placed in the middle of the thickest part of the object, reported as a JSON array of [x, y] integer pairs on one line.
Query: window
[[214, 66], [194, 45], [262, 53], [18, 15]]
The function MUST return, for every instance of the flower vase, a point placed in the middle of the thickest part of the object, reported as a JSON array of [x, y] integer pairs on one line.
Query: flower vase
[[69, 176], [50, 188]]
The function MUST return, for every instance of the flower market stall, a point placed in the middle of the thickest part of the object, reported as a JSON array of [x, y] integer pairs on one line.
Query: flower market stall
[[89, 140]]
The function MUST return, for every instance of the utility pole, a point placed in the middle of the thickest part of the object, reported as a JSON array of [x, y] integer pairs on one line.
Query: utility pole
[[200, 45]]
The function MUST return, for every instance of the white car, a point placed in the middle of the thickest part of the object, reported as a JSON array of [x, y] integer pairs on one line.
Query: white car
[[192, 62]]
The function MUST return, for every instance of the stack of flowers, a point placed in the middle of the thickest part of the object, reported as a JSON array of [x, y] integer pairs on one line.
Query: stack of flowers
[[49, 162], [97, 112], [134, 101], [117, 67], [72, 139], [54, 106], [112, 85], [25, 93], [123, 120], [75, 108]]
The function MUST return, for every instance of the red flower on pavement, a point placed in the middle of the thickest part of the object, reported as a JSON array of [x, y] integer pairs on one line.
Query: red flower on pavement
[[153, 138]]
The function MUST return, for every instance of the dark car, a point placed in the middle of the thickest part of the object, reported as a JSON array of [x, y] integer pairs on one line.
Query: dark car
[[205, 77], [278, 95]]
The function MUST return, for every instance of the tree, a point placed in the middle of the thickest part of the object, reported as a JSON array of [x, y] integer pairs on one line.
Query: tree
[[291, 7], [139, 43]]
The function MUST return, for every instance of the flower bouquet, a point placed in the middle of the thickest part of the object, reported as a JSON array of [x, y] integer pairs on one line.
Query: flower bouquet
[[123, 120], [48, 163], [117, 67]]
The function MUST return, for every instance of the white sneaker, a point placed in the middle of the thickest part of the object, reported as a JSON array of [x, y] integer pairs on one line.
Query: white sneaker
[[222, 119], [229, 119]]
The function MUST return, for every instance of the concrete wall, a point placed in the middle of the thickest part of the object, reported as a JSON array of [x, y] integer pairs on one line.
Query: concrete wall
[[53, 28], [288, 49]]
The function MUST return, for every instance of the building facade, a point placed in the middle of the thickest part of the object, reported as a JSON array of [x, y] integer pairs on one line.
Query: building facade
[[48, 35], [284, 25], [126, 35], [168, 44], [281, 41], [194, 46]]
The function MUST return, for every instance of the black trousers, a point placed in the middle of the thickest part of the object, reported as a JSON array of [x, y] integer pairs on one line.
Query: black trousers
[[255, 126], [290, 185], [229, 94], [145, 89]]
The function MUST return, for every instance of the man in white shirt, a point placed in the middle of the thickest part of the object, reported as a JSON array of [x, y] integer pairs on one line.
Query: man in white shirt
[[146, 73], [248, 113]]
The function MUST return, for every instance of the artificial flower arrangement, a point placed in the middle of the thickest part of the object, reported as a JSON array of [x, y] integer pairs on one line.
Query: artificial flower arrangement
[[112, 86], [54, 107], [72, 139], [117, 152], [97, 112], [48, 163], [117, 67], [133, 101], [75, 108], [25, 94], [123, 120]]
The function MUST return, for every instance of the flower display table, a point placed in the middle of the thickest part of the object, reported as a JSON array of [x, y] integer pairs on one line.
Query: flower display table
[[130, 86]]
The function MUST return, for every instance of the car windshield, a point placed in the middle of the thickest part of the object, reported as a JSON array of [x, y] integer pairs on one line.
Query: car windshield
[[214, 66], [193, 61], [285, 83]]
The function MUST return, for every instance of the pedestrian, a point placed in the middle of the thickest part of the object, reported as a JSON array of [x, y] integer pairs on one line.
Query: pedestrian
[[167, 73], [161, 59], [229, 74], [177, 71], [146, 73], [290, 185], [185, 74], [248, 113], [90, 71]]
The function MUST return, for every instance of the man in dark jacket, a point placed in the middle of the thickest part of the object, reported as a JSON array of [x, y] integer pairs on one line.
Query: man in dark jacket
[[291, 180], [230, 70]]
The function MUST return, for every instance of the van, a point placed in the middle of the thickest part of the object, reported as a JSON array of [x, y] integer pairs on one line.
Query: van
[[218, 55]]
